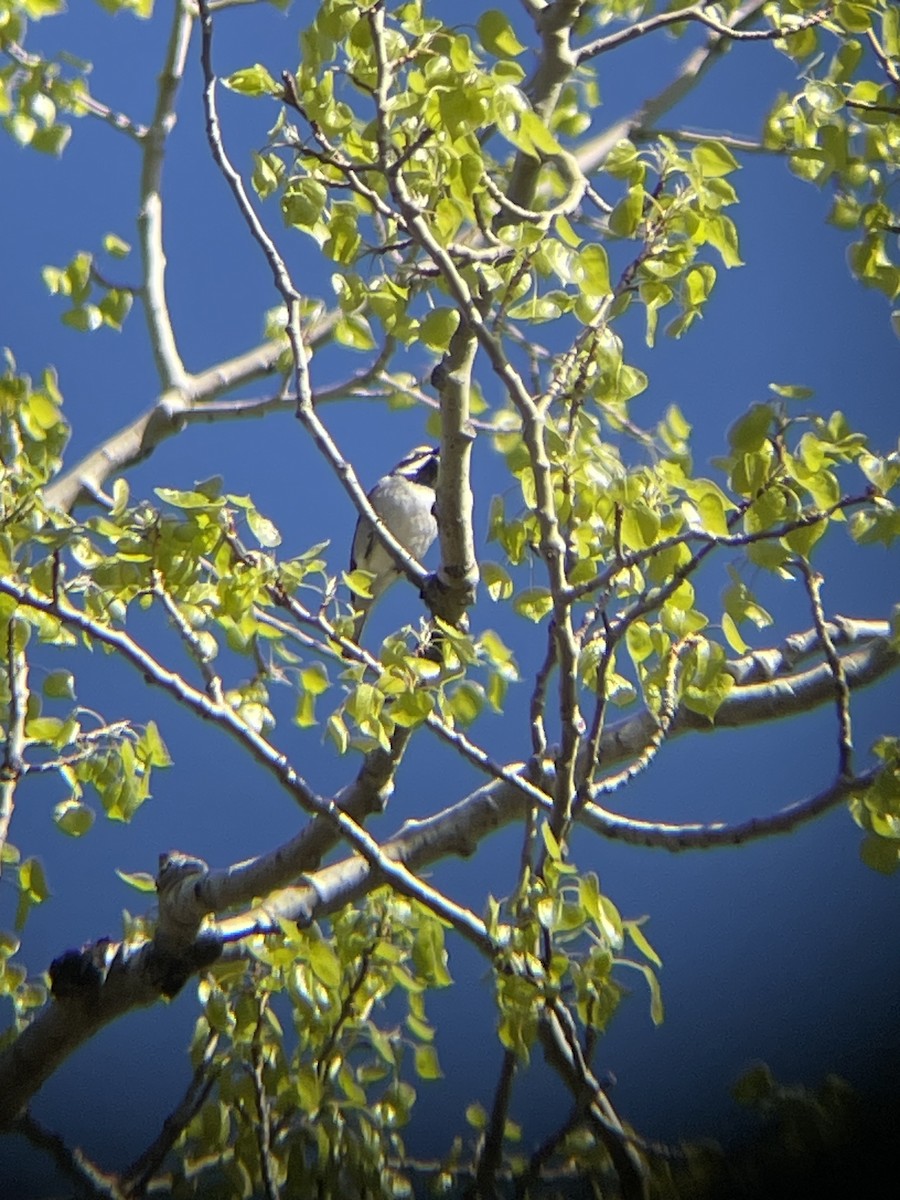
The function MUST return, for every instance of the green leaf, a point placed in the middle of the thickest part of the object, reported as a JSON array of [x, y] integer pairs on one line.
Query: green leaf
[[750, 431], [732, 634], [713, 159], [314, 679], [639, 641], [151, 749], [410, 709], [640, 526], [881, 854], [354, 331], [791, 391], [33, 881], [59, 685], [115, 246], [497, 580], [426, 1062], [466, 701], [324, 963], [438, 327], [636, 934], [626, 216], [711, 509], [253, 81], [497, 35], [594, 264], [534, 603], [264, 530], [754, 1086], [551, 844], [73, 817], [359, 582]]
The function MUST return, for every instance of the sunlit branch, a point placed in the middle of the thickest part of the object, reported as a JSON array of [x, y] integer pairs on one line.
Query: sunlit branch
[[886, 62], [89, 1179], [281, 276], [449, 734], [695, 13], [490, 1157], [261, 751], [762, 665], [82, 100], [189, 636], [459, 829], [625, 561], [741, 145], [368, 793], [591, 154], [563, 1052], [553, 24], [292, 299], [167, 416], [687, 835], [12, 767], [150, 216], [537, 708], [668, 710], [457, 575]]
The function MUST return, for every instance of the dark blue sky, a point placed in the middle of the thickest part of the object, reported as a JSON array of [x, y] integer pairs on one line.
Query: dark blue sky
[[783, 950]]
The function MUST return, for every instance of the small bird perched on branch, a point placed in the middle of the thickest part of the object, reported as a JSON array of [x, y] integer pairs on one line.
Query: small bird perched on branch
[[404, 500]]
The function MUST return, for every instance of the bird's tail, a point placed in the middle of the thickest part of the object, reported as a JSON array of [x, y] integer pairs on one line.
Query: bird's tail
[[363, 606]]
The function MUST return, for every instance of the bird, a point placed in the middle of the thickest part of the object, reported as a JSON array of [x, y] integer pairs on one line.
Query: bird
[[404, 500]]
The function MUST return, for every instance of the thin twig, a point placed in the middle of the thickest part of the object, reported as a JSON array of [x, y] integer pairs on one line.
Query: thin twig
[[263, 752], [136, 1178], [491, 1154], [263, 1110], [814, 581], [88, 1178]]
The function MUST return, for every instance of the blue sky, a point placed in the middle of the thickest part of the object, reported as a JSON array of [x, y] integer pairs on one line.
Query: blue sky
[[782, 950]]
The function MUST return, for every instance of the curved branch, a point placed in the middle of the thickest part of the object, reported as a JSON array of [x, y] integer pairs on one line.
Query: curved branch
[[591, 154], [695, 13], [170, 414], [132, 978]]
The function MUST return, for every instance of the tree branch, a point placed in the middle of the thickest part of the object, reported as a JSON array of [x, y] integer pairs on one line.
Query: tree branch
[[592, 153], [88, 1179], [695, 13], [136, 1177], [261, 751], [12, 766], [150, 216], [284, 284]]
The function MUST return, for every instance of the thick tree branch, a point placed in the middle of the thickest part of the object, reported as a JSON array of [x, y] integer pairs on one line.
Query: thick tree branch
[[135, 977], [260, 750], [167, 416]]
